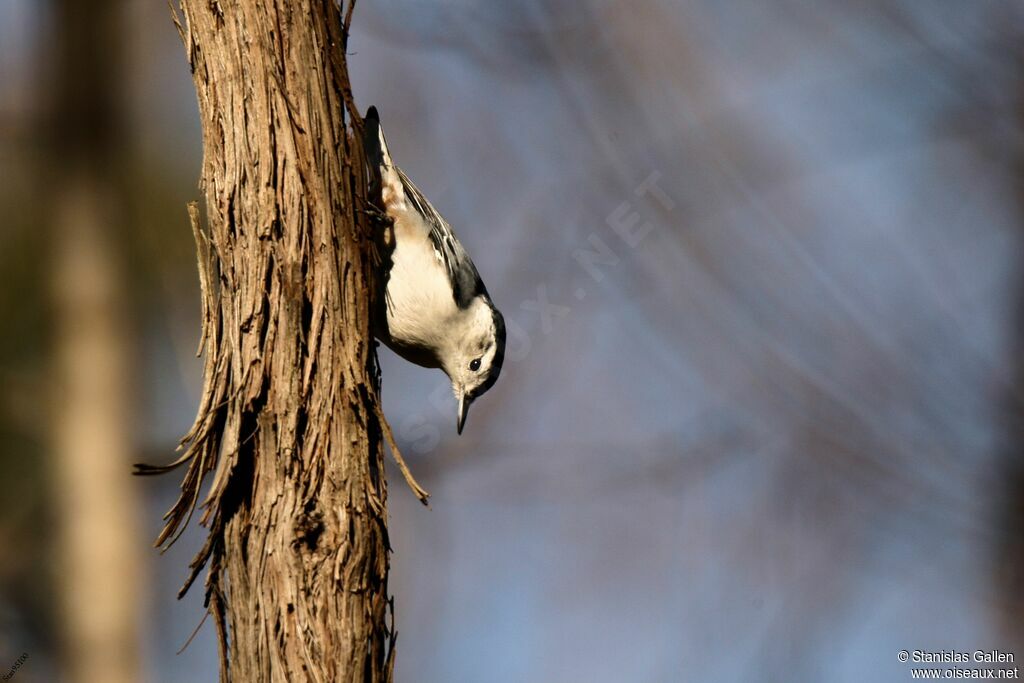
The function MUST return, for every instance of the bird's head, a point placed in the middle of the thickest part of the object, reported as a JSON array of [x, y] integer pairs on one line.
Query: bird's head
[[473, 360]]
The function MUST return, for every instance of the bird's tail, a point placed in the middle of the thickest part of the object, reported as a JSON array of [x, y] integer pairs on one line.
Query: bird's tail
[[385, 179]]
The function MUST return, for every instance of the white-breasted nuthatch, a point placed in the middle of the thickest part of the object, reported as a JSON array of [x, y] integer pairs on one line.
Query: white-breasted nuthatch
[[438, 312]]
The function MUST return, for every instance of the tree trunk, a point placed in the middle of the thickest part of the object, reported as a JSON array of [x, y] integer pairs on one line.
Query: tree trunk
[[99, 575], [99, 578], [289, 421]]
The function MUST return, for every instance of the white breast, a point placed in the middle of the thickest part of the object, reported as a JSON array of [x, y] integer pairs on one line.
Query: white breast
[[419, 294]]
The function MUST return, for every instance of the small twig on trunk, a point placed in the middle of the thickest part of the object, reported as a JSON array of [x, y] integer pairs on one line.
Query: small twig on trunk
[[420, 492]]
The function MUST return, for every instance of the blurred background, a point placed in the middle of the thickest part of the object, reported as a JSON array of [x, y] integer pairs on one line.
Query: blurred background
[[761, 263]]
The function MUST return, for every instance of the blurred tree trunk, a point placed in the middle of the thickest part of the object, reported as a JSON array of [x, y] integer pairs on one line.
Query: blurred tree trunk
[[98, 571], [98, 559], [288, 423], [1009, 559]]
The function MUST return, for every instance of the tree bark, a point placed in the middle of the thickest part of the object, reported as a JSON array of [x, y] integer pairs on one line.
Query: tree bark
[[289, 422]]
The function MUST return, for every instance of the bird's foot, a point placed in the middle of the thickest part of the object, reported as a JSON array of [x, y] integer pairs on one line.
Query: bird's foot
[[376, 215]]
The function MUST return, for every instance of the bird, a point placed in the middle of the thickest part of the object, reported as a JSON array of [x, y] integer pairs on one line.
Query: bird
[[438, 313]]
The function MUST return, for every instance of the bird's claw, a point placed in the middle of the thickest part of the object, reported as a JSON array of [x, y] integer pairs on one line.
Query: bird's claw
[[377, 215]]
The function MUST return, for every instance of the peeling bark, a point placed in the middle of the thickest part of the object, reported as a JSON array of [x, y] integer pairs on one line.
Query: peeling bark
[[288, 423]]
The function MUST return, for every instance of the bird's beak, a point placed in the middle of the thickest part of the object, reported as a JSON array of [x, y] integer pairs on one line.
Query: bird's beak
[[463, 411]]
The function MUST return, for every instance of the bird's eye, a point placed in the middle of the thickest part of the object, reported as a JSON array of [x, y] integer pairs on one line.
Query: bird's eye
[[474, 365]]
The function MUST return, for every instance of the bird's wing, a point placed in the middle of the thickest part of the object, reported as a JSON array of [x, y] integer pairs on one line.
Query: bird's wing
[[401, 191], [466, 282]]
